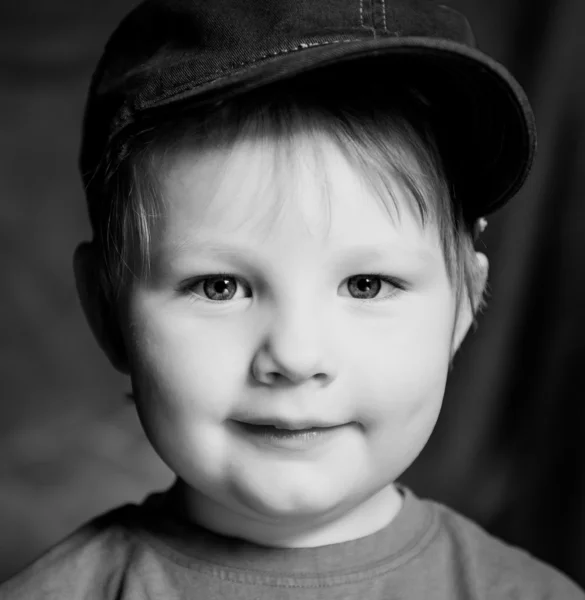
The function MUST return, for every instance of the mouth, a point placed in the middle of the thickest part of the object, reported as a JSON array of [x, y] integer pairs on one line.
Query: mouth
[[272, 430], [288, 437], [293, 427]]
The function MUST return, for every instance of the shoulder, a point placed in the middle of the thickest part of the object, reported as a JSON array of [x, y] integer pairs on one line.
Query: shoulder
[[497, 569], [92, 558]]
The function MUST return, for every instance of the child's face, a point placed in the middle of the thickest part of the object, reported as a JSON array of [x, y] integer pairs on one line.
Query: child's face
[[290, 341]]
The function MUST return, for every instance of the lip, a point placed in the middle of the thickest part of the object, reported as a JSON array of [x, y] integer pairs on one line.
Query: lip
[[265, 436], [296, 426]]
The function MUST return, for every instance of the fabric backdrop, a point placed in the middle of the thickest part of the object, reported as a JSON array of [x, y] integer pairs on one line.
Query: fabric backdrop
[[509, 448]]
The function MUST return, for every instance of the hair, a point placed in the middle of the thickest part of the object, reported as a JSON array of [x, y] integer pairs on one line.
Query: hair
[[386, 139]]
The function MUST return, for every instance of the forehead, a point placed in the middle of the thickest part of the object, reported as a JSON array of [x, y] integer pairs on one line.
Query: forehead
[[265, 190]]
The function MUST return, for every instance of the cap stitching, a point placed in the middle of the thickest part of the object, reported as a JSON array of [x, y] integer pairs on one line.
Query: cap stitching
[[222, 70], [300, 46], [384, 16], [372, 27]]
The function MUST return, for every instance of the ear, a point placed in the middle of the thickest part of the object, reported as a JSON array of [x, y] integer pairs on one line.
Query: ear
[[100, 315], [465, 314]]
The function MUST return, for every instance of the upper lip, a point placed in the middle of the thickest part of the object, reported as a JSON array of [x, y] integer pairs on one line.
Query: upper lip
[[297, 425]]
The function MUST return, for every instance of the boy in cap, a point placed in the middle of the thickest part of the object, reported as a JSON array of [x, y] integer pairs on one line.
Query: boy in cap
[[284, 198]]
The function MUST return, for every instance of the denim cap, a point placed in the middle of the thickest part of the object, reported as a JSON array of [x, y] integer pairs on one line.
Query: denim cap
[[171, 53]]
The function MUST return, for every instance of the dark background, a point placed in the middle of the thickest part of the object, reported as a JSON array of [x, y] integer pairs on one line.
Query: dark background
[[509, 449]]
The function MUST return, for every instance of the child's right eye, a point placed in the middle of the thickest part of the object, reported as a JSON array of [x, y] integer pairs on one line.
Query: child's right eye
[[213, 288]]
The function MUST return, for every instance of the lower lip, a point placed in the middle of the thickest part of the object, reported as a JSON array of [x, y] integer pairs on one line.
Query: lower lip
[[302, 439]]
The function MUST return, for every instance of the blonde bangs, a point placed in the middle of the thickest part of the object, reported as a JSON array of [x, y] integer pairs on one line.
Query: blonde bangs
[[385, 144]]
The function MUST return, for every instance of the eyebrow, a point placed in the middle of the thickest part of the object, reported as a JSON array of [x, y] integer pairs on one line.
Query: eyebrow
[[351, 254]]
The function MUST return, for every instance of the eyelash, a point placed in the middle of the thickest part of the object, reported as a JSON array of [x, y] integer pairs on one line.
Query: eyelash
[[190, 284]]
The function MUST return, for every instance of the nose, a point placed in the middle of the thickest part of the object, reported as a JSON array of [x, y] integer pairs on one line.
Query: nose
[[295, 348]]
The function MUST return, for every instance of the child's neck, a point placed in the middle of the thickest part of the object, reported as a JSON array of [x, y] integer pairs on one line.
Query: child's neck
[[370, 516]]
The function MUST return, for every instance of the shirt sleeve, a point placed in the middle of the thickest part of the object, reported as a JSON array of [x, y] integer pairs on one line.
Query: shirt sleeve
[[87, 564]]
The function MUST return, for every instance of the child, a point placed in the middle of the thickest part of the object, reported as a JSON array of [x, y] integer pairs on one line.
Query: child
[[284, 197]]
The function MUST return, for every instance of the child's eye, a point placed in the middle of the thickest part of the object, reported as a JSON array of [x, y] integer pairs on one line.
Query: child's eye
[[223, 287], [367, 287], [214, 288]]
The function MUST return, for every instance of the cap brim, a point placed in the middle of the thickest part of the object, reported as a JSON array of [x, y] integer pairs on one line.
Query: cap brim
[[487, 123]]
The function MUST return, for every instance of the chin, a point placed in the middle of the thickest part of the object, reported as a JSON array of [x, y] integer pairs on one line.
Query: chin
[[294, 503]]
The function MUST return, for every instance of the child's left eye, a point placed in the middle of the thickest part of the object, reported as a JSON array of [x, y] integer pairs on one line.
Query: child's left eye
[[223, 287], [367, 287]]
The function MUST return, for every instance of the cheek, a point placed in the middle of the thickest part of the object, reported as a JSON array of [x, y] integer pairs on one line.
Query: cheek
[[400, 400], [183, 369], [402, 377], [186, 380]]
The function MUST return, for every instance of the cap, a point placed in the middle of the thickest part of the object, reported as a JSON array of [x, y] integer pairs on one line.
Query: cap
[[167, 53]]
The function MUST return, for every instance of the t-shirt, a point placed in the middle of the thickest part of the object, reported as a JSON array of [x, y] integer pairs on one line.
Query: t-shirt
[[147, 551]]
